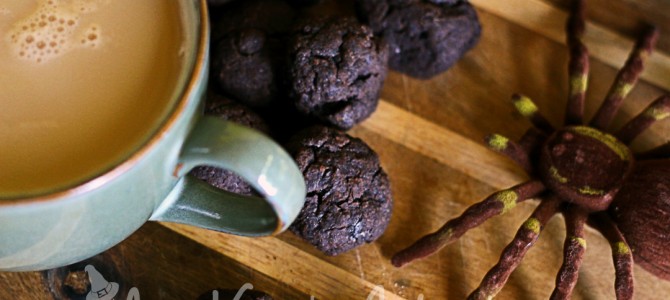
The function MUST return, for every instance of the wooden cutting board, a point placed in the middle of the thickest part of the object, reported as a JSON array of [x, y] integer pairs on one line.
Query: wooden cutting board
[[428, 135]]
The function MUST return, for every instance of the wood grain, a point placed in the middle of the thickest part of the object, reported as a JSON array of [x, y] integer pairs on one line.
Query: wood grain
[[446, 147], [161, 265], [606, 45], [637, 14], [428, 135], [285, 263]]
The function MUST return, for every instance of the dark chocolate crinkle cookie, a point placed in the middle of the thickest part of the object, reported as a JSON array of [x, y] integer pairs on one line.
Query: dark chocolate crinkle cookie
[[336, 69], [229, 110], [229, 294], [348, 194], [425, 37], [248, 49], [244, 65], [273, 17]]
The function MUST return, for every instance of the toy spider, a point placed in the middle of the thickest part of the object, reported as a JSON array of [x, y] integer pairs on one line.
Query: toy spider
[[585, 173]]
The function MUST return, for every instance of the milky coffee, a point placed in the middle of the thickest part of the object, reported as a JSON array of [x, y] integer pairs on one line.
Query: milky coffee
[[83, 84]]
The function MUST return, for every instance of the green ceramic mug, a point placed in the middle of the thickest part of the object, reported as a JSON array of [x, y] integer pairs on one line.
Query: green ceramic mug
[[62, 227]]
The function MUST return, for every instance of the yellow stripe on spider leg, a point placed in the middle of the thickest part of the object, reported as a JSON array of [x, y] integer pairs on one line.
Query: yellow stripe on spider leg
[[525, 106], [508, 198], [578, 84], [497, 142]]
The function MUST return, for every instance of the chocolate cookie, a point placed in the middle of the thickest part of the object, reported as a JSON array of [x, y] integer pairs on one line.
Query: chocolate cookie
[[227, 109], [337, 68], [249, 48], [425, 37], [273, 17], [325, 8], [348, 194], [244, 65], [229, 294]]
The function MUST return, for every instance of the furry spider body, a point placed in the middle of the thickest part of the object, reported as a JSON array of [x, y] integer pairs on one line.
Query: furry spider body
[[584, 172], [584, 166]]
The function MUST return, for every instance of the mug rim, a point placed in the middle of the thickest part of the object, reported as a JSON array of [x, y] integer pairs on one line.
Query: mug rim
[[170, 121]]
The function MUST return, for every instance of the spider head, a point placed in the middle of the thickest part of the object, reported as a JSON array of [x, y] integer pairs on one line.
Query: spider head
[[585, 166]]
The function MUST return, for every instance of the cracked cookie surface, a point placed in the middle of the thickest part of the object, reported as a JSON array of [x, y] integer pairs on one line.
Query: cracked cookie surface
[[245, 64], [336, 68], [348, 199], [425, 37], [248, 41]]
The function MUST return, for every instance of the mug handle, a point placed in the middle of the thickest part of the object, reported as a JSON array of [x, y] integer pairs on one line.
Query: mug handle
[[252, 156]]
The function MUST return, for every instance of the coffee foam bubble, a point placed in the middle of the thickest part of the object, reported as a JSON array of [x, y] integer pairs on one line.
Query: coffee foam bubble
[[54, 29]]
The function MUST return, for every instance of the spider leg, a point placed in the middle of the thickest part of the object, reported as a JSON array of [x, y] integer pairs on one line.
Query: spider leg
[[625, 80], [511, 149], [573, 252], [578, 67], [656, 111], [497, 203], [528, 109], [532, 140], [621, 255], [662, 151], [525, 237]]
